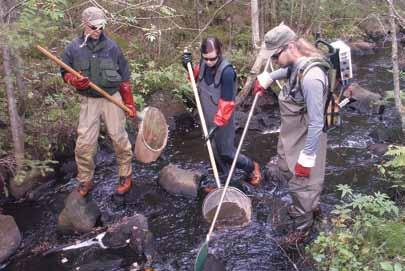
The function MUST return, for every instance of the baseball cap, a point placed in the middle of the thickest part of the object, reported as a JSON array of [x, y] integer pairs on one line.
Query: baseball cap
[[276, 38], [94, 16]]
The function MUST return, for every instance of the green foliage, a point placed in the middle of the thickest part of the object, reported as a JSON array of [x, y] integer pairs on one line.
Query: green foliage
[[30, 166], [37, 19], [149, 78], [394, 169], [367, 234]]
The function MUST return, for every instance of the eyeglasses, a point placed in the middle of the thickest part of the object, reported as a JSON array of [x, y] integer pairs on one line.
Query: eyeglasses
[[94, 28], [212, 59], [276, 55]]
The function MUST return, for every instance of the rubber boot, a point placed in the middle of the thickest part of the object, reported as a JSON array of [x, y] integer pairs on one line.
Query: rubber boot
[[124, 185], [84, 188]]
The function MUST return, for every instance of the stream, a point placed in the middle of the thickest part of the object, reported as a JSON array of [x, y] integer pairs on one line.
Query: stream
[[177, 223]]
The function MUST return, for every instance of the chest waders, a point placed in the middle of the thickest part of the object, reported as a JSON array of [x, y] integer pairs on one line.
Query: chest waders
[[224, 137], [305, 191]]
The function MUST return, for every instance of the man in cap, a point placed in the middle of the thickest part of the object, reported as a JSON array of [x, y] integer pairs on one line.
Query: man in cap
[[101, 61], [302, 142]]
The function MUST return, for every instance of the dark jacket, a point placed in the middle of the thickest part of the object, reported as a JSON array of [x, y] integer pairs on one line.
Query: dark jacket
[[101, 61]]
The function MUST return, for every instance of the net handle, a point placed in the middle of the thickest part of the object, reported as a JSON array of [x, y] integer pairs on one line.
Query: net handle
[[232, 167]]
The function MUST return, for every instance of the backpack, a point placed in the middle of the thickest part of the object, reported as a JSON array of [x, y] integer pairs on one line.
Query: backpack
[[337, 64]]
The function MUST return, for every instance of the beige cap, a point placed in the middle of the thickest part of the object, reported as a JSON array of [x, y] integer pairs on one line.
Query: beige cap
[[276, 38], [94, 16]]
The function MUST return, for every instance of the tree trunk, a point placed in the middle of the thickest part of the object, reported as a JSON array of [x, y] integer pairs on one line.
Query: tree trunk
[[15, 120], [395, 69], [300, 20], [292, 12], [255, 23], [273, 12], [17, 130]]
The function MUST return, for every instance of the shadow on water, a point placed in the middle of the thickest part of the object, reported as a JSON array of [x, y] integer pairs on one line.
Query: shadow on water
[[177, 223]]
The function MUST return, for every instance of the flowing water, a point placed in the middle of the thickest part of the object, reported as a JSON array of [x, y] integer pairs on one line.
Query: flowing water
[[177, 223]]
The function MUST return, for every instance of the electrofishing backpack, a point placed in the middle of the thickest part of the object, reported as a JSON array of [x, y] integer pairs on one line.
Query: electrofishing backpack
[[338, 65]]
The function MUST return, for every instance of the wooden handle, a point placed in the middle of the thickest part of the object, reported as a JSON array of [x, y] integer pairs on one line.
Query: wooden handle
[[92, 85]]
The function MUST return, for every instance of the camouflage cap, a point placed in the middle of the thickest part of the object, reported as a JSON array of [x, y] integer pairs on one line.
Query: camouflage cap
[[94, 16], [276, 38]]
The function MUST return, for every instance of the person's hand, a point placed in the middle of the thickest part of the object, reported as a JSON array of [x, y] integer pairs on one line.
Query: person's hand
[[258, 89], [224, 112], [79, 83], [186, 58], [302, 171], [125, 90]]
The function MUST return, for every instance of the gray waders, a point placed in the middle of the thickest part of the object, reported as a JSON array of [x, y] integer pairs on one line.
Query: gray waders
[[305, 191], [224, 137]]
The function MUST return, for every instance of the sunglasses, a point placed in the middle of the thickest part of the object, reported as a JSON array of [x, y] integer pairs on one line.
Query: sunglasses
[[212, 59], [276, 55], [94, 28]]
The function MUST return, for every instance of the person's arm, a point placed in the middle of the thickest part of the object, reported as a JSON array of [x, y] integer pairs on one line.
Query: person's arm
[[125, 88], [79, 83], [265, 79], [313, 86], [123, 67], [226, 103]]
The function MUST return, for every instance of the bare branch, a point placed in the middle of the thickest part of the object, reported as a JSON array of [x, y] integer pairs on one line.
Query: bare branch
[[210, 21]]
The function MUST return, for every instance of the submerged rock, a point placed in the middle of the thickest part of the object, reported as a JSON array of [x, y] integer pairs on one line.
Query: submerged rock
[[365, 101], [102, 265], [178, 181], [10, 237], [362, 47], [378, 149], [213, 264], [80, 214], [134, 232]]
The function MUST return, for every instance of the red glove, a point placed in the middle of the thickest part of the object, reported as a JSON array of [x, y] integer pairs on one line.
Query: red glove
[[224, 112], [79, 83], [196, 72], [126, 94], [302, 171], [257, 88]]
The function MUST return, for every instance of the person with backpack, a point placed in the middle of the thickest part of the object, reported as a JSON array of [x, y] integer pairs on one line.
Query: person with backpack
[[302, 141], [217, 85], [102, 62]]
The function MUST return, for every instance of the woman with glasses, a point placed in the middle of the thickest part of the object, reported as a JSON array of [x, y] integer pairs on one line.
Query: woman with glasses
[[100, 60], [302, 142], [217, 85]]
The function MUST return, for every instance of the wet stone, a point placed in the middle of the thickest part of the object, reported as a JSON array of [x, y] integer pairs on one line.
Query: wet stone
[[229, 215], [178, 181], [133, 232], [80, 214], [10, 237], [213, 264]]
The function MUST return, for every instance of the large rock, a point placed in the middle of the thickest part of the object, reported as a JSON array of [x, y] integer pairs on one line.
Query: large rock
[[178, 181], [375, 29], [80, 214], [169, 104], [133, 231], [362, 47], [10, 237], [213, 264], [24, 182], [365, 100]]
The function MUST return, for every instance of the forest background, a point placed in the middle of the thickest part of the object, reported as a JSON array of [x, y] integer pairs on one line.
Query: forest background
[[39, 112]]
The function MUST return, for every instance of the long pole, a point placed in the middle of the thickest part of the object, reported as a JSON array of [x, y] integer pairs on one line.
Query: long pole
[[92, 85], [203, 124], [232, 167]]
